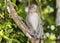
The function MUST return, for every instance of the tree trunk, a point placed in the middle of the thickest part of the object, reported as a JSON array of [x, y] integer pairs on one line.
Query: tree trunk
[[58, 39], [58, 19], [58, 12]]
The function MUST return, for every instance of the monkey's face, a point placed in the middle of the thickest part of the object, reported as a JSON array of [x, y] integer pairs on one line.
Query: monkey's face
[[33, 8]]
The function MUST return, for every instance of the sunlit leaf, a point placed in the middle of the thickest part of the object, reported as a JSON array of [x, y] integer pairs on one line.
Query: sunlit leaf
[[14, 1]]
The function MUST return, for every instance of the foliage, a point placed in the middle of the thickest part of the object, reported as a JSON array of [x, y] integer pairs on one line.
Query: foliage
[[9, 31]]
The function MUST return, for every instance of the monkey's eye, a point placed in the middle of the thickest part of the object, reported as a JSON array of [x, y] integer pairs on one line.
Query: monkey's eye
[[31, 7]]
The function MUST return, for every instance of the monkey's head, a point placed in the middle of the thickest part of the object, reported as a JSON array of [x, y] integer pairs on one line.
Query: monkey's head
[[33, 8]]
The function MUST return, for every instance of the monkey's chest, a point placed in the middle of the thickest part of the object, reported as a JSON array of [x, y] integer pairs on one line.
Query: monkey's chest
[[34, 20]]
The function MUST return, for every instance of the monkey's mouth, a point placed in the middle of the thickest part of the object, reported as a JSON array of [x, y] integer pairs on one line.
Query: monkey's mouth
[[33, 11]]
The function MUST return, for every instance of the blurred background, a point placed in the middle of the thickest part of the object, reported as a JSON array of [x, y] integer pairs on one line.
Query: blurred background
[[10, 32]]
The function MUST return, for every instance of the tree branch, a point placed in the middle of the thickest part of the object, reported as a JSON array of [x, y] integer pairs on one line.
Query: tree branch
[[17, 19]]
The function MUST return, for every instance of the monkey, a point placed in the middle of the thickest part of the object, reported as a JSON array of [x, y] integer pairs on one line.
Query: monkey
[[34, 22]]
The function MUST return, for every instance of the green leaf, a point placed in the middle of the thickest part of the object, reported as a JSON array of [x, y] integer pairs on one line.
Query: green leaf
[[10, 30], [0, 38], [9, 41], [14, 1]]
